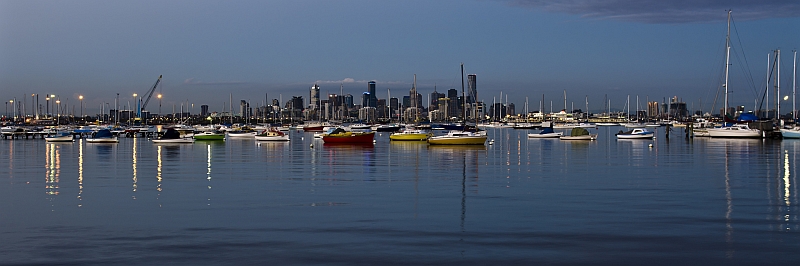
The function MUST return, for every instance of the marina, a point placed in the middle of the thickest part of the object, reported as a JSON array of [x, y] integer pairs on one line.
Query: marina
[[517, 201]]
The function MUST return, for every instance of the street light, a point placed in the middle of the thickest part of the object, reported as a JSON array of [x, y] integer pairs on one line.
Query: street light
[[80, 97], [58, 110], [159, 104]]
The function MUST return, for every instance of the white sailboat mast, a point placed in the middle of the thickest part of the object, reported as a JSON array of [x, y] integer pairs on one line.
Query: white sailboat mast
[[794, 87], [778, 86], [727, 60]]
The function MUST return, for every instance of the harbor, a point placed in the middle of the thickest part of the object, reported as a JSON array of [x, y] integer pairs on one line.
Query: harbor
[[520, 200]]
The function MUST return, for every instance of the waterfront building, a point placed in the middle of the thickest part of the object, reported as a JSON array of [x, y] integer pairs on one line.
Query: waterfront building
[[394, 105], [472, 90], [677, 109], [314, 97], [204, 110], [244, 108], [652, 109], [372, 101], [435, 96]]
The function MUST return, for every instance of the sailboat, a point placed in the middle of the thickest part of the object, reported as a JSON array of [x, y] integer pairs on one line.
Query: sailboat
[[103, 136], [794, 132], [461, 137], [739, 130]]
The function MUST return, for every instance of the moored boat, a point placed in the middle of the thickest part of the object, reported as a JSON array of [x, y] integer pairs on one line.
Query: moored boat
[[339, 135], [272, 135], [209, 135], [172, 136], [459, 137], [636, 133], [546, 133], [791, 133], [410, 134], [60, 137], [579, 134], [103, 136], [734, 131]]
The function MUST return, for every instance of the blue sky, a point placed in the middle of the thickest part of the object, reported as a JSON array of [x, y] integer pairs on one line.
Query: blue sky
[[209, 50]]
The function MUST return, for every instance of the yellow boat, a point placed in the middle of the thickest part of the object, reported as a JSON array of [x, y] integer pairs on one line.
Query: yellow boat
[[410, 135], [456, 137]]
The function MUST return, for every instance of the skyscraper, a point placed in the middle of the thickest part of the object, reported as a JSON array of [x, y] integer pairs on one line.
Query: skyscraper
[[244, 108], [203, 110], [472, 90], [373, 99], [314, 104]]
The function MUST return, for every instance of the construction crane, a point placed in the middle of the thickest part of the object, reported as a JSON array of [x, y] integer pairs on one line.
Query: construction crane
[[149, 95]]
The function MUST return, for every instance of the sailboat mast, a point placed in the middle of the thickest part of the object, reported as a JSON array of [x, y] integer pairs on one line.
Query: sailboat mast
[[727, 60], [463, 94], [794, 87], [778, 86]]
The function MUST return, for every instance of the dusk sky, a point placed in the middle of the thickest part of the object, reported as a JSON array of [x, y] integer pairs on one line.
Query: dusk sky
[[209, 51]]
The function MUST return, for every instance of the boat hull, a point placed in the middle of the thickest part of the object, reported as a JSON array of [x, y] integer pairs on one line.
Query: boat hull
[[470, 140], [59, 139], [272, 138], [410, 137], [635, 136], [350, 137], [733, 133], [173, 141], [102, 140], [582, 137], [546, 135], [790, 133], [209, 137]]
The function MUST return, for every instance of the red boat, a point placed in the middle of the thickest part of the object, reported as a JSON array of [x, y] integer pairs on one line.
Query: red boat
[[341, 136]]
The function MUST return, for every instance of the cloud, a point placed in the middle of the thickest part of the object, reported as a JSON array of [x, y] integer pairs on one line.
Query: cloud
[[192, 81], [345, 80], [667, 11]]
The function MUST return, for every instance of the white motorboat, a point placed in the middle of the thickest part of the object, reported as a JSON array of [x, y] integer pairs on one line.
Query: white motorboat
[[60, 137], [546, 133], [791, 133], [458, 137], [636, 133], [103, 136], [579, 134], [272, 135], [172, 136], [735, 131]]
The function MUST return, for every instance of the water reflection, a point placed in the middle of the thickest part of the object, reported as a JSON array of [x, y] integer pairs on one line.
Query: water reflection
[[133, 163], [53, 168], [159, 167], [80, 173]]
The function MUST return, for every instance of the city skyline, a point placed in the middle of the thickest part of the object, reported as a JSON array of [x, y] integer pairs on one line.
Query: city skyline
[[653, 49]]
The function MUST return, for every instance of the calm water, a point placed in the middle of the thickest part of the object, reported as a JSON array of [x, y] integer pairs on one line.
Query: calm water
[[518, 201]]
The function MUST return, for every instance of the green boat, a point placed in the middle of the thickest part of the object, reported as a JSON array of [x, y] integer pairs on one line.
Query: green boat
[[210, 135]]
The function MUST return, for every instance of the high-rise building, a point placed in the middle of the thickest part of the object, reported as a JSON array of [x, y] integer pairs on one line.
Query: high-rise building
[[435, 96], [373, 99], [244, 108], [314, 104], [393, 106], [203, 110], [472, 90], [365, 99]]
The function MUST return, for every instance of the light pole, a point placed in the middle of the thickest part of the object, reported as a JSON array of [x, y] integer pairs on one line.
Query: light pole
[[159, 104], [14, 108], [80, 97], [58, 111], [137, 105]]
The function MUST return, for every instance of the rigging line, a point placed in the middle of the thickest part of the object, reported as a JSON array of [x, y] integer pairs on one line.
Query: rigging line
[[766, 87], [749, 73]]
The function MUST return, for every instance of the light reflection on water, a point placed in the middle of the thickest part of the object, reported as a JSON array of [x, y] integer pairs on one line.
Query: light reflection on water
[[517, 201]]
